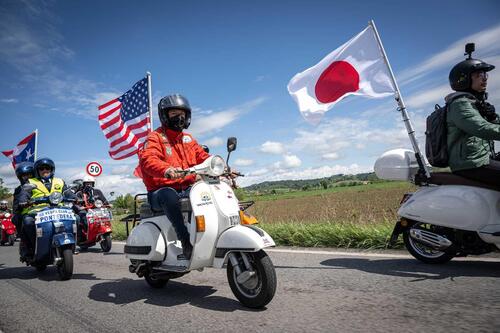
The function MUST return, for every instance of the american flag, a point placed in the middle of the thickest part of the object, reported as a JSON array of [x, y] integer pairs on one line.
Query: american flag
[[125, 121]]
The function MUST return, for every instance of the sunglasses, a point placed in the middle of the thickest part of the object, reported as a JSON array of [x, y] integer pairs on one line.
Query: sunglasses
[[43, 167], [481, 75]]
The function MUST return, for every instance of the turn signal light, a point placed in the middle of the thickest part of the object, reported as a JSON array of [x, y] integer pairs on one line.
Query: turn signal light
[[200, 223]]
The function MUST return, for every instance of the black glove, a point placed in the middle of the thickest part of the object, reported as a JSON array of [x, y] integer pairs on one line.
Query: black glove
[[487, 110]]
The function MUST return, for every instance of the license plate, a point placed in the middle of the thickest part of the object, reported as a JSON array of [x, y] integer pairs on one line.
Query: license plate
[[234, 220]]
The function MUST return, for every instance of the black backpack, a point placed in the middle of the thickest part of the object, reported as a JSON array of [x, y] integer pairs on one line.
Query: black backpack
[[436, 133]]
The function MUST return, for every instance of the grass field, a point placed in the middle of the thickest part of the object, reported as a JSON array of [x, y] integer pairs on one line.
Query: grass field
[[359, 216]]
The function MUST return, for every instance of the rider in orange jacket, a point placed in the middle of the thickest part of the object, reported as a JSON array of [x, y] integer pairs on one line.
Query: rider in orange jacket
[[167, 151]]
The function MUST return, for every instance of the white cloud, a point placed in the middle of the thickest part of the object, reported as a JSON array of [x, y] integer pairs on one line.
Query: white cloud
[[289, 162], [243, 162], [432, 96], [216, 141], [487, 44], [9, 100], [215, 121], [272, 147], [331, 156]]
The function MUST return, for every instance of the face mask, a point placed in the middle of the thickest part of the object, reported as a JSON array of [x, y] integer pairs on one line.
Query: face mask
[[177, 123]]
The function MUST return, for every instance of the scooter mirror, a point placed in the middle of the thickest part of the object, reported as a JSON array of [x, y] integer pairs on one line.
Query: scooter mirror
[[205, 148], [231, 144]]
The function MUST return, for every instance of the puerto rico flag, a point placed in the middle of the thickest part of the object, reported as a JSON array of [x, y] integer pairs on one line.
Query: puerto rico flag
[[24, 151]]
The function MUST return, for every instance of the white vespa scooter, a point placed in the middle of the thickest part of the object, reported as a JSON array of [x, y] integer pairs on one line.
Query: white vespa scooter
[[447, 216], [212, 216]]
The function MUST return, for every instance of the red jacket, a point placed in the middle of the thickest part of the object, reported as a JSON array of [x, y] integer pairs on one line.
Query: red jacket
[[164, 149]]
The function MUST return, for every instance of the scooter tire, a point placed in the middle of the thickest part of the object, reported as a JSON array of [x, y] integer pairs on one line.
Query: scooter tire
[[106, 243], [266, 284], [442, 258], [12, 240], [65, 268], [40, 268], [154, 282]]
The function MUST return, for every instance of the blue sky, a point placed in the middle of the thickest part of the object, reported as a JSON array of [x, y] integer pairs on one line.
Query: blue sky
[[59, 60]]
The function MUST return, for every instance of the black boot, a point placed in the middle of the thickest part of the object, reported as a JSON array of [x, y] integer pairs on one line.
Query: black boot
[[187, 250]]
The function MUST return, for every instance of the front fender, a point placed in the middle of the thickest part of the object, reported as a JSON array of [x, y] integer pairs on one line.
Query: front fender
[[63, 239], [241, 239]]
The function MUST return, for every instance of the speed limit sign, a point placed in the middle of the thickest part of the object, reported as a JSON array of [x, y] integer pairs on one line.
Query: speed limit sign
[[94, 169]]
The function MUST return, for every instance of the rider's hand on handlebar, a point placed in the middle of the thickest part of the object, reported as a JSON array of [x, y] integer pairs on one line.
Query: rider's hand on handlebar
[[174, 173]]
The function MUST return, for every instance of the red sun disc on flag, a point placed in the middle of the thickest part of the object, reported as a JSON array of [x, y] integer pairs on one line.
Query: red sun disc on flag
[[94, 169], [336, 80]]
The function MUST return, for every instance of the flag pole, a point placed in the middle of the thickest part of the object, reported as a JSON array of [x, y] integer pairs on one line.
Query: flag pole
[[402, 107], [150, 101], [36, 142]]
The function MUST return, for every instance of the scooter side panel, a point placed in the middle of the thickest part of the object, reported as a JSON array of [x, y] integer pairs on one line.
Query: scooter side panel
[[454, 206], [147, 234], [203, 203]]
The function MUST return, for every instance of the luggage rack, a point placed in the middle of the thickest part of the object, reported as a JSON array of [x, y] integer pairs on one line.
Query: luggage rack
[[135, 217]]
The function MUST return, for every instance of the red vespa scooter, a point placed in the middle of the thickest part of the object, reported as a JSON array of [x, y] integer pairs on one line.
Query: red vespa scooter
[[8, 229], [99, 226]]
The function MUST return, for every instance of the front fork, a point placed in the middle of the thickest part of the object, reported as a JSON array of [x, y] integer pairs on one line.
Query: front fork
[[242, 275]]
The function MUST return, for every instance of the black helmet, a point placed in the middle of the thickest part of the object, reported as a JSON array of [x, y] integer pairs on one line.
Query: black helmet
[[175, 101], [44, 161], [24, 168], [460, 79]]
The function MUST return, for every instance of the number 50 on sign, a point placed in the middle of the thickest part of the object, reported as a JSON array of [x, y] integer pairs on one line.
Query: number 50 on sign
[[94, 169]]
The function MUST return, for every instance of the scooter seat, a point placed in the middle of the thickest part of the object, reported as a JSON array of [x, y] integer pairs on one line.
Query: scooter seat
[[446, 178], [148, 211]]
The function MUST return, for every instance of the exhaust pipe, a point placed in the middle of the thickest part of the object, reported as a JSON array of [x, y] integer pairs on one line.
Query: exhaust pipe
[[431, 239]]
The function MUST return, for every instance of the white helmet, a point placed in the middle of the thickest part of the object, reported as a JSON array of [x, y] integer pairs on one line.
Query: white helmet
[[88, 179]]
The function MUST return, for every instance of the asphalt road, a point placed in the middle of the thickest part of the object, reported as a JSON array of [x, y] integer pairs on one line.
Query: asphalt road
[[318, 291]]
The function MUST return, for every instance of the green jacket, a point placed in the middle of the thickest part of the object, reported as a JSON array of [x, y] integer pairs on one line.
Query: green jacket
[[470, 136]]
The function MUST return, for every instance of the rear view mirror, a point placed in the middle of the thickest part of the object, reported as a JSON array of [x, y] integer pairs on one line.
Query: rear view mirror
[[205, 148], [231, 144]]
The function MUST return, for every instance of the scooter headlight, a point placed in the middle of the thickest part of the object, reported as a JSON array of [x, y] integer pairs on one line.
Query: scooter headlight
[[217, 166], [98, 203], [7, 215], [55, 198]]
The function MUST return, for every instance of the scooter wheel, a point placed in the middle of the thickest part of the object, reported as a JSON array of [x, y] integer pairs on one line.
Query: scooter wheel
[[106, 243], [259, 289], [12, 240], [40, 268], [155, 282], [65, 268], [424, 253]]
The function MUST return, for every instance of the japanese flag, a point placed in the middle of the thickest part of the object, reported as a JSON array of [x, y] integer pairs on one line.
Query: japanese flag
[[355, 68]]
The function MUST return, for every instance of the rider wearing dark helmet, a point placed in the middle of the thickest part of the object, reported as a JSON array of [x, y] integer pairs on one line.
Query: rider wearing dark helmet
[[24, 171], [42, 184], [473, 124], [167, 151]]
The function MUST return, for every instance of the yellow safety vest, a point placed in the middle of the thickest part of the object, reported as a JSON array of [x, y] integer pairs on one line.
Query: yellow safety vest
[[41, 191]]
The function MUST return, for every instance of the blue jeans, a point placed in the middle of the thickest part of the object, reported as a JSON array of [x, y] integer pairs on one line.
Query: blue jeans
[[166, 199]]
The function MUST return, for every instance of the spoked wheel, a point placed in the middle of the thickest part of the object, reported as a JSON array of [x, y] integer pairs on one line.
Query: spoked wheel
[[65, 267], [12, 240], [106, 243], [257, 288], [424, 252], [155, 282]]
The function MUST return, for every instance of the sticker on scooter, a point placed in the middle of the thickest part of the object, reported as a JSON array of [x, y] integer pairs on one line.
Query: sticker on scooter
[[54, 215], [205, 199]]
